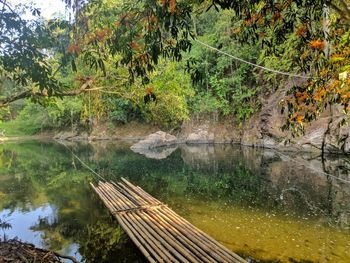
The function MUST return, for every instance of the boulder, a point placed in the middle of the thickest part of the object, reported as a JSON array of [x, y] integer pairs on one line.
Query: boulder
[[154, 140]]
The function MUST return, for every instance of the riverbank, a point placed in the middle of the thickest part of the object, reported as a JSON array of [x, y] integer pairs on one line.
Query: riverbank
[[320, 136], [263, 130]]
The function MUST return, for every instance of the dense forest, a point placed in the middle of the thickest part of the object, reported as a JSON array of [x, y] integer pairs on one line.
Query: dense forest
[[232, 113], [161, 62]]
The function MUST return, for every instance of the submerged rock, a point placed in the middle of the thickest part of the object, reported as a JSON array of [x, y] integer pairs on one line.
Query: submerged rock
[[154, 140]]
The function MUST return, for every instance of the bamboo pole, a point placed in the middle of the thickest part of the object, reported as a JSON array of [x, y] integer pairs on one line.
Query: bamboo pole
[[138, 199], [187, 240], [147, 240], [116, 197], [170, 246], [116, 202], [128, 229], [181, 252], [139, 190], [121, 190], [139, 243], [199, 240], [178, 237], [148, 195], [160, 231], [134, 191], [119, 195], [202, 236], [109, 205], [207, 237], [153, 240]]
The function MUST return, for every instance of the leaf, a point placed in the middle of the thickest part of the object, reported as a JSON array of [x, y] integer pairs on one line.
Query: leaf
[[74, 66]]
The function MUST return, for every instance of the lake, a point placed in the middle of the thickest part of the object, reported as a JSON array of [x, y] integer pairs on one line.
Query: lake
[[265, 205]]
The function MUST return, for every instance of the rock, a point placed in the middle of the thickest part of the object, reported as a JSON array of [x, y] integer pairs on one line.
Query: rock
[[200, 136], [154, 140], [65, 135], [71, 136], [156, 153], [263, 129], [209, 128]]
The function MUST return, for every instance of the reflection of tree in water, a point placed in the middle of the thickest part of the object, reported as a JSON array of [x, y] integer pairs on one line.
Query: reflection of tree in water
[[338, 201], [4, 225], [101, 241], [247, 176], [318, 182], [106, 243], [47, 173]]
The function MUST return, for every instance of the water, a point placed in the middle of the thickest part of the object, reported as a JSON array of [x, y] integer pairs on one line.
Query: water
[[261, 204]]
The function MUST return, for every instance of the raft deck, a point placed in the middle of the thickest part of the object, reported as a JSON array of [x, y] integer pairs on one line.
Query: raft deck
[[159, 233]]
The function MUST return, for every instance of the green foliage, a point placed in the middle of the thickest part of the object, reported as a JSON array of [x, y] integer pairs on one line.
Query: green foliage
[[34, 118], [220, 82], [113, 42], [64, 112], [30, 121], [4, 224], [204, 103], [172, 89], [122, 111], [27, 46]]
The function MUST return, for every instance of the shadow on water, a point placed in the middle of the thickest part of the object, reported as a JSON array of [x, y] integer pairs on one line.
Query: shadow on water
[[261, 204]]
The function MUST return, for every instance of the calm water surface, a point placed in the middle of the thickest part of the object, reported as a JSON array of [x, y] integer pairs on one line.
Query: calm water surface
[[265, 206]]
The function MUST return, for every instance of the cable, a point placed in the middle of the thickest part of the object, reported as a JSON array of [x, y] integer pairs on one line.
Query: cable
[[82, 162], [250, 63]]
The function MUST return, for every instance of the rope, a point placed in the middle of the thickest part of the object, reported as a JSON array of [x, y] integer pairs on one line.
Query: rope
[[83, 163], [250, 63], [311, 168]]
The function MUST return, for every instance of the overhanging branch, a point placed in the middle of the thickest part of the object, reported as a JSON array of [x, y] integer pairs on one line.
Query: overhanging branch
[[29, 93]]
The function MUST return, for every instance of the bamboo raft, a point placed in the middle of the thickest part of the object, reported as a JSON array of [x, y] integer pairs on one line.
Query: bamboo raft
[[159, 233]]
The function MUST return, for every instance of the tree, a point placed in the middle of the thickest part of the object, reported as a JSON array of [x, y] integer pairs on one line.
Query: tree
[[144, 31], [150, 29], [27, 51]]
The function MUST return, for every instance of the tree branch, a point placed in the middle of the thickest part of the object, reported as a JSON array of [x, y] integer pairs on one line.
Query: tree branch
[[346, 7], [29, 93], [345, 14]]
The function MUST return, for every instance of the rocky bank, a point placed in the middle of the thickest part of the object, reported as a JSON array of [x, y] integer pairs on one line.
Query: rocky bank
[[262, 130]]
